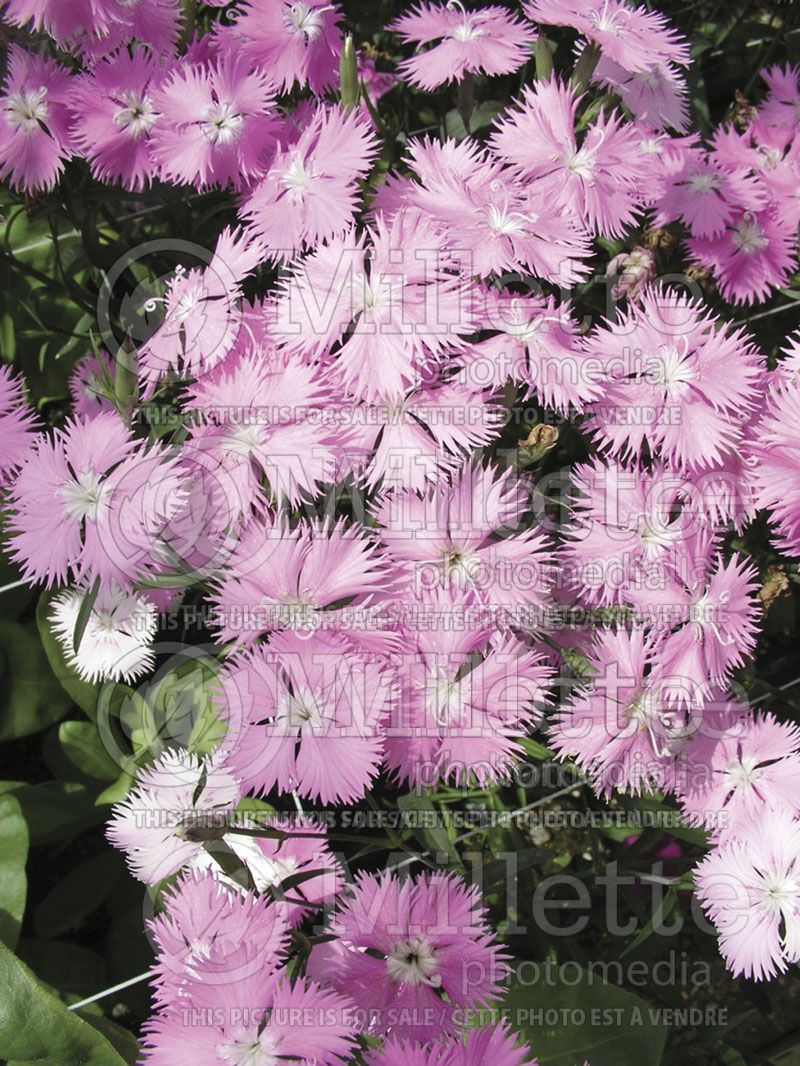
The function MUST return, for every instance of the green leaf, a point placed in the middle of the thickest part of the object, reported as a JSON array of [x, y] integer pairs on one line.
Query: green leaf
[[122, 1040], [34, 698], [80, 892], [35, 1027], [81, 692], [568, 1022], [84, 748], [73, 972], [662, 912], [13, 882], [84, 614], [431, 831], [54, 811]]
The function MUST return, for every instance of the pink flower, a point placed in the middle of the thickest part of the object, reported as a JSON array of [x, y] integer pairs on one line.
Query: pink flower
[[91, 384], [402, 946], [655, 96], [674, 377], [599, 180], [488, 41], [162, 823], [750, 888], [297, 41], [217, 123], [483, 209], [536, 344], [706, 196], [115, 115], [17, 423], [735, 768], [782, 105], [395, 311], [497, 1046], [776, 451], [279, 577], [306, 715], [754, 255], [96, 27], [91, 502], [621, 727], [203, 919], [466, 696], [202, 318], [34, 121], [634, 37], [310, 192], [252, 1020], [268, 415], [469, 537]]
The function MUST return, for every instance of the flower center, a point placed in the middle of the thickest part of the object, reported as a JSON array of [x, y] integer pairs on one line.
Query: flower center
[[137, 116], [742, 771], [85, 496], [27, 109], [296, 179], [504, 223], [606, 21], [302, 710], [222, 124], [414, 962], [580, 162], [749, 237], [704, 183], [656, 538], [466, 31], [302, 20], [672, 372], [445, 699], [249, 1048]]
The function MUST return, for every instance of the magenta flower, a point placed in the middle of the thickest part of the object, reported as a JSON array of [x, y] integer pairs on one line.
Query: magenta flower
[[282, 578], [306, 715], [176, 802], [34, 120], [466, 696], [310, 192], [402, 946], [469, 537], [393, 312], [655, 96], [750, 888], [202, 920], [754, 255], [732, 770], [96, 27], [776, 451], [17, 423], [599, 180], [782, 105], [203, 319], [217, 123], [91, 502], [706, 196], [674, 377], [488, 41], [634, 37], [115, 115], [297, 41]]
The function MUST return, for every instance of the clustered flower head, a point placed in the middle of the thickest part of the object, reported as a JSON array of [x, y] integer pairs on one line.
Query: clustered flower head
[[406, 633]]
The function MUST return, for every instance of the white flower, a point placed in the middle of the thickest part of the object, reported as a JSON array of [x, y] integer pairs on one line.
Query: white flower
[[117, 643]]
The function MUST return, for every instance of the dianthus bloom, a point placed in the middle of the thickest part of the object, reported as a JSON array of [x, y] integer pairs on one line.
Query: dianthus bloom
[[750, 888], [17, 422], [634, 37], [117, 643], [599, 181], [310, 192], [34, 120], [306, 715], [776, 450], [413, 954], [297, 41], [217, 123], [488, 41], [115, 115], [91, 384], [498, 1046], [177, 803], [674, 376], [656, 96], [91, 502]]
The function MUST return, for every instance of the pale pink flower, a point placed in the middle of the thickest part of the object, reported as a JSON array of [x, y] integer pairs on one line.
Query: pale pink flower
[[775, 450], [310, 192], [489, 40], [782, 105], [413, 954], [750, 888], [656, 96], [297, 41], [17, 423], [34, 120], [498, 1045], [91, 384]]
